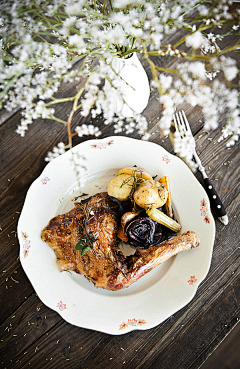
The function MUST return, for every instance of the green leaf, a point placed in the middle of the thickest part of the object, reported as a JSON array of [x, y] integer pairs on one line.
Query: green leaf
[[92, 237], [85, 243], [84, 250], [81, 244]]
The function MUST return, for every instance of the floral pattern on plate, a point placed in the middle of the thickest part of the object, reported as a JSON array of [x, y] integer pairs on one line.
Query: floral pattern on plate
[[45, 180], [102, 145], [26, 245], [204, 211], [61, 305], [166, 159], [192, 280], [132, 323]]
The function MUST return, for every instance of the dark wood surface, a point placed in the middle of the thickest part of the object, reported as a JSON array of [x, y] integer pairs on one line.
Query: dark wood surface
[[32, 335]]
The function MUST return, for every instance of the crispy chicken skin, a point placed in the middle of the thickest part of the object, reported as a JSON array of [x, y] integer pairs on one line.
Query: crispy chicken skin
[[104, 264]]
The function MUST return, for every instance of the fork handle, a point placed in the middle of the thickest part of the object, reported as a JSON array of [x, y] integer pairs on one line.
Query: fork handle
[[215, 201]]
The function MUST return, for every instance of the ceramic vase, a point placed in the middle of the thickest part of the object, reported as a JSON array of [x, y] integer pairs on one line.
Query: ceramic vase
[[134, 86]]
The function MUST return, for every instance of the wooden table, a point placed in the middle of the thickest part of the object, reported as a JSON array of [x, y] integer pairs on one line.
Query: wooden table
[[32, 335]]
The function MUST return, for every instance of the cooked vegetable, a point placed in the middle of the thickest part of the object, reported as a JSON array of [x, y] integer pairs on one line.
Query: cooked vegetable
[[126, 218], [168, 203], [139, 172], [143, 232], [150, 194], [121, 234], [120, 187], [140, 232], [162, 218]]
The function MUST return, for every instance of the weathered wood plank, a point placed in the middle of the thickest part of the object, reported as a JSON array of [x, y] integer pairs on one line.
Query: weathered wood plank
[[227, 354], [29, 321], [36, 333], [14, 289]]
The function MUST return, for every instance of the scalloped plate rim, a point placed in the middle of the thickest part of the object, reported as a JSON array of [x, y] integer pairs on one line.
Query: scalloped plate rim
[[99, 327]]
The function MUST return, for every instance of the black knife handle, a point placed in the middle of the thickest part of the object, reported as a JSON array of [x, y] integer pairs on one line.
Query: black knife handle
[[216, 203]]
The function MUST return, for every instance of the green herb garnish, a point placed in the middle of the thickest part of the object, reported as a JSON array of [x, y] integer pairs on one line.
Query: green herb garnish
[[85, 243], [134, 180]]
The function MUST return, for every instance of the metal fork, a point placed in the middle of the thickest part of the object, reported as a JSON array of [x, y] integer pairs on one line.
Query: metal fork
[[184, 130]]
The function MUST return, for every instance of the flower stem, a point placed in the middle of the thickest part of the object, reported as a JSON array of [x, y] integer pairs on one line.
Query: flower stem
[[56, 101], [169, 71], [58, 119], [69, 121]]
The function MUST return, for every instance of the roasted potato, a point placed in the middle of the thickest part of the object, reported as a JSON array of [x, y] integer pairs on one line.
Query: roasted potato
[[120, 186], [151, 194], [140, 172]]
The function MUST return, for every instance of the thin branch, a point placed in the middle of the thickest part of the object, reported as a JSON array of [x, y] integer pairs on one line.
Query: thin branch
[[168, 71], [57, 101], [58, 119]]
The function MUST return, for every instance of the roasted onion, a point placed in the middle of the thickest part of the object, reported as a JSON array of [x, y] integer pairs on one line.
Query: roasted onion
[[140, 232], [143, 232]]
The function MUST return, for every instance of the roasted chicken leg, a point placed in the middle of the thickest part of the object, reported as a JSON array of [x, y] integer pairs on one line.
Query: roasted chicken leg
[[96, 221]]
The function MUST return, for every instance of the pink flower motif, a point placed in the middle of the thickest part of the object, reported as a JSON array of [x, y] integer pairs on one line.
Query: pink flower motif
[[24, 235], [192, 280], [166, 159], [61, 306], [204, 211], [102, 145], [45, 180], [132, 323], [26, 245]]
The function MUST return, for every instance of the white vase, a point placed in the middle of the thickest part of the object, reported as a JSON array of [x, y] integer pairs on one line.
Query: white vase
[[134, 86]]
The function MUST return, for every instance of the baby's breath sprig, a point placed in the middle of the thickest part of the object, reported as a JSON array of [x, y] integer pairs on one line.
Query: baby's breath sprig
[[41, 42]]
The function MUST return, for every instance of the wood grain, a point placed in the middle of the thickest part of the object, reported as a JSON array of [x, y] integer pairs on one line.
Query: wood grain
[[32, 335]]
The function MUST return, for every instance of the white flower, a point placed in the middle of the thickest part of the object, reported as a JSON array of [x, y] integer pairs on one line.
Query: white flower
[[146, 136], [195, 40], [80, 166], [235, 27], [165, 81], [73, 7], [230, 72], [30, 75], [86, 130], [124, 3], [57, 150], [118, 128]]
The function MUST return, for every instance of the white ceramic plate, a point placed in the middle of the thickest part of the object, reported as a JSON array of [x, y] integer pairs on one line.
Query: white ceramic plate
[[158, 294]]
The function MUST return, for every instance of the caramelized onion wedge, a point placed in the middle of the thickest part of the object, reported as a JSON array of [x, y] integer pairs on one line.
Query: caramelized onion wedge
[[127, 217], [162, 218], [124, 220]]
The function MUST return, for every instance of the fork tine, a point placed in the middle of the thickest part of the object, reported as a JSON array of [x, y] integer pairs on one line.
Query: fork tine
[[185, 127], [182, 122], [187, 130], [186, 121], [177, 123]]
